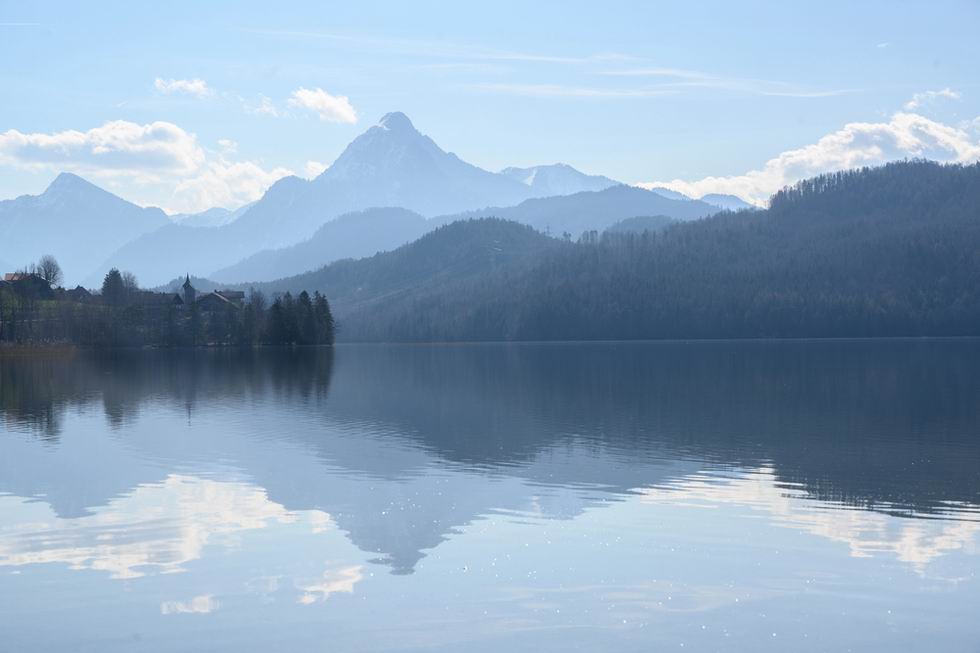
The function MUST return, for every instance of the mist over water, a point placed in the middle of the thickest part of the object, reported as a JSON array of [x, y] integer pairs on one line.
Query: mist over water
[[633, 496]]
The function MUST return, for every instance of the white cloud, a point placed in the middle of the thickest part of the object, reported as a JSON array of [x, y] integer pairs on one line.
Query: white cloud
[[315, 168], [227, 145], [117, 147], [224, 183], [919, 99], [196, 87], [856, 144], [332, 108], [265, 107], [166, 163]]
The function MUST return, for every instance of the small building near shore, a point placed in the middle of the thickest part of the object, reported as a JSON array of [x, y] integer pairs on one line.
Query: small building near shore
[[159, 299], [217, 300], [28, 285], [78, 294]]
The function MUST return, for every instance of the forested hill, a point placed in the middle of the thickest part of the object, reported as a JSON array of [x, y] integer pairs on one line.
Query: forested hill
[[451, 258], [890, 251]]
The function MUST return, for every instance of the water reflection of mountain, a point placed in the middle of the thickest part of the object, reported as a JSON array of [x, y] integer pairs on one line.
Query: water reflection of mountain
[[402, 445]]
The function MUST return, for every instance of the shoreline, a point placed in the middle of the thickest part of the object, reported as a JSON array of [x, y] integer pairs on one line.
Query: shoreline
[[10, 350]]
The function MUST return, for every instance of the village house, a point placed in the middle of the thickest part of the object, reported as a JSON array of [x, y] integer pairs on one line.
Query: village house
[[27, 285], [216, 300], [78, 294]]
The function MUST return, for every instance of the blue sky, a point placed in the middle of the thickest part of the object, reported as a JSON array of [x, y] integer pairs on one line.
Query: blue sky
[[187, 106]]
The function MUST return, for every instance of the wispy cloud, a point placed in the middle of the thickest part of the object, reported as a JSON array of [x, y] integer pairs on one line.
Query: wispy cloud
[[465, 66], [680, 73], [669, 81], [558, 90], [680, 78], [439, 49], [265, 107], [196, 87], [926, 97], [477, 58]]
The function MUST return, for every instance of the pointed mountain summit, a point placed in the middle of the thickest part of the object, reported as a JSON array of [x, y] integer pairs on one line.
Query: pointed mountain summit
[[393, 164], [67, 182], [75, 221], [397, 121], [69, 187]]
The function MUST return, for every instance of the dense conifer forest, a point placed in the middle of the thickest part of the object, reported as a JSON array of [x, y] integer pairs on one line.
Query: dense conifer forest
[[889, 251]]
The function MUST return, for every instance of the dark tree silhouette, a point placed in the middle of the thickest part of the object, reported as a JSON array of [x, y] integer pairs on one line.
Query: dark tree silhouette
[[113, 288], [49, 270]]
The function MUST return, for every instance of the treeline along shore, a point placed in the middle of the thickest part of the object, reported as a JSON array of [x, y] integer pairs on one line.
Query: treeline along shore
[[876, 252], [36, 311]]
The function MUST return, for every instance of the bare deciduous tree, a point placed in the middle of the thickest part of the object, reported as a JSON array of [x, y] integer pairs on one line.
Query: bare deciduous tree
[[49, 270], [130, 283]]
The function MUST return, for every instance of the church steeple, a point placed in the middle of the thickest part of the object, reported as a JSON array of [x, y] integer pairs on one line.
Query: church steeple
[[189, 293]]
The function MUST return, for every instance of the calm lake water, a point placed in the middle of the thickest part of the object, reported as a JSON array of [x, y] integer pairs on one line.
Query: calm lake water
[[793, 496]]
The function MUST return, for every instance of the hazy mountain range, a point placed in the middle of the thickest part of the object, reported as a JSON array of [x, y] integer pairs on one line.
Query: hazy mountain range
[[729, 202], [885, 251], [75, 221], [407, 181], [362, 234], [214, 217], [354, 235], [557, 179]]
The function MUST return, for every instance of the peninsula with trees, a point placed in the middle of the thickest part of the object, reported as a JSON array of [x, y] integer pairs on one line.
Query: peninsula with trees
[[36, 310]]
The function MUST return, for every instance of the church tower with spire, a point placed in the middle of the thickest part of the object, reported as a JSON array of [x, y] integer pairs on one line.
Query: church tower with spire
[[189, 293]]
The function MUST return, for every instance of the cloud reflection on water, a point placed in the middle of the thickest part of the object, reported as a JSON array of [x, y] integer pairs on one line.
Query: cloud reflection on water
[[916, 542]]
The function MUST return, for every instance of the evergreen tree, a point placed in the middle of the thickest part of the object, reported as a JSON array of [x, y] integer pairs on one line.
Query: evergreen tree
[[276, 324], [113, 288], [324, 320]]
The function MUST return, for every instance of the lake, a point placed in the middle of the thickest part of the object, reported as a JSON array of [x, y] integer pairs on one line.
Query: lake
[[712, 496]]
